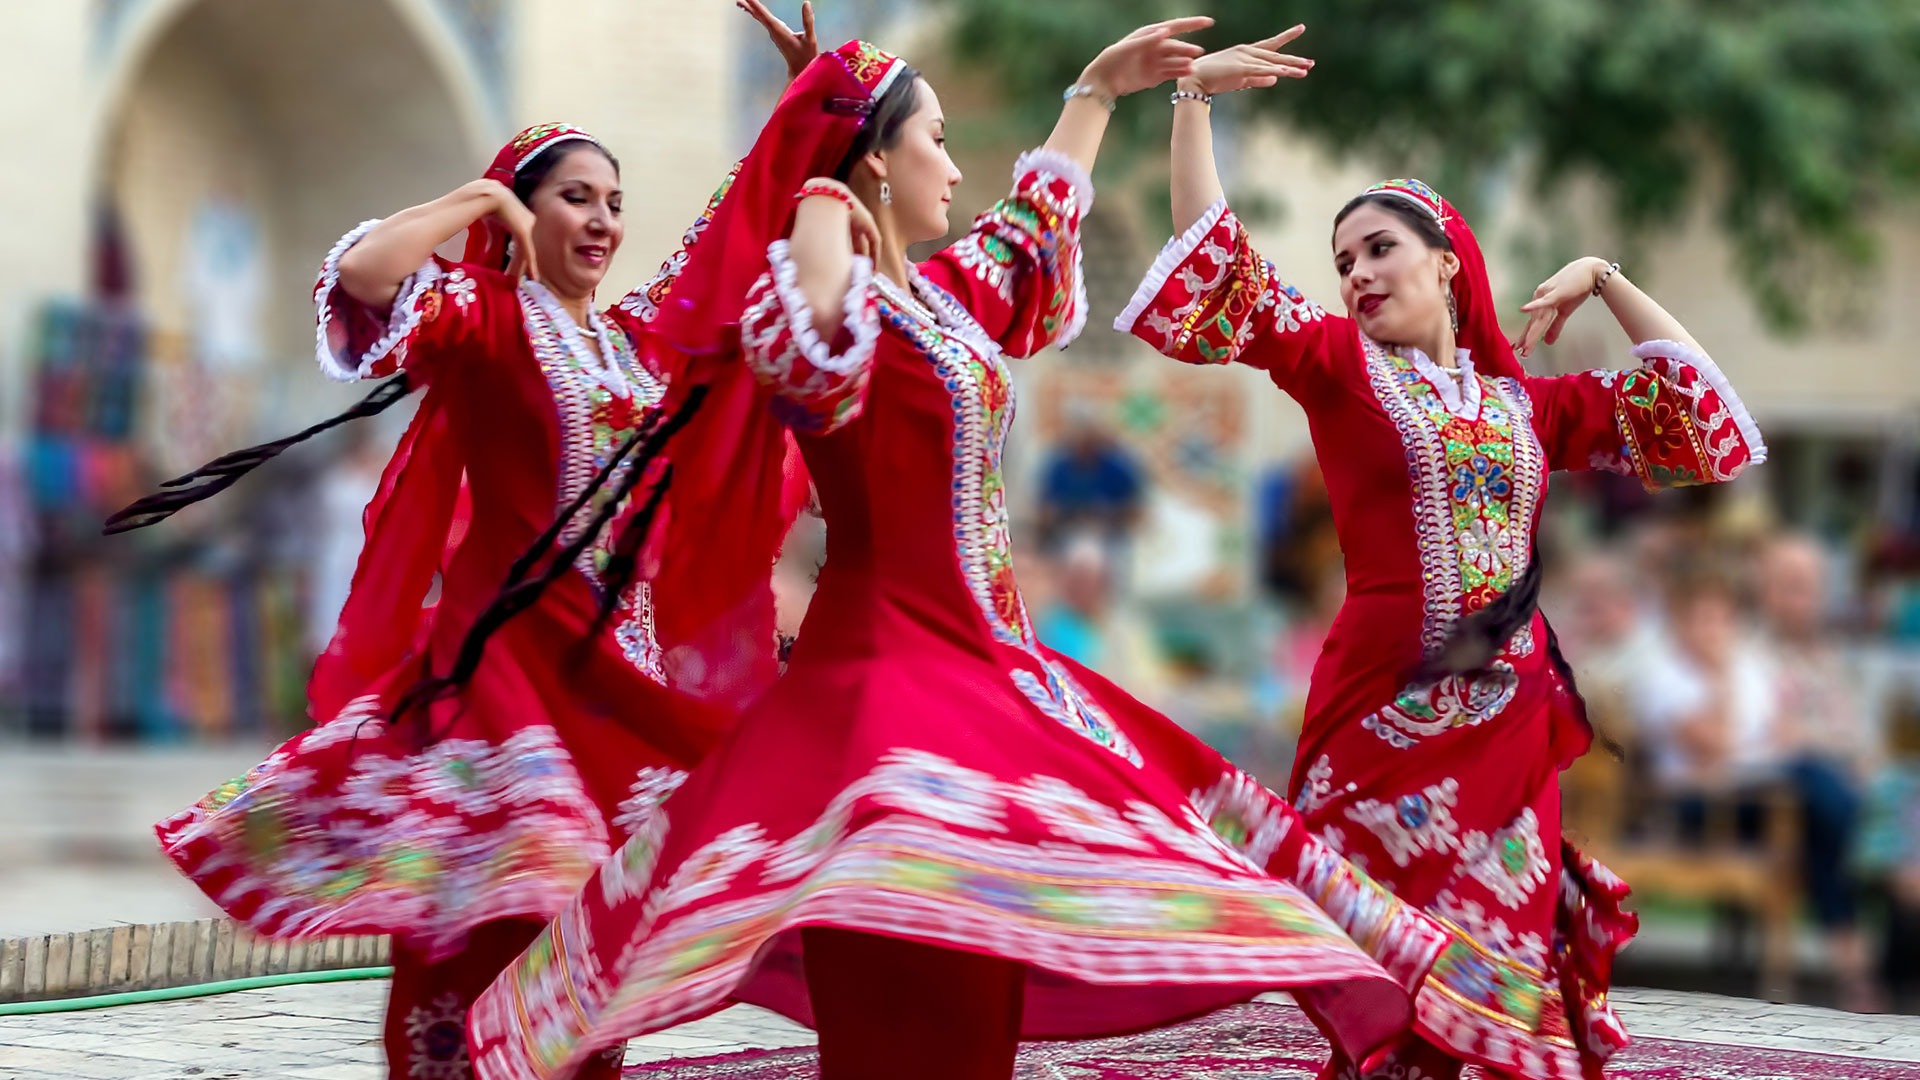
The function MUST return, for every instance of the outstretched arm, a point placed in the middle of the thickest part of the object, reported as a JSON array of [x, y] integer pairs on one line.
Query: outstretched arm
[[1196, 178]]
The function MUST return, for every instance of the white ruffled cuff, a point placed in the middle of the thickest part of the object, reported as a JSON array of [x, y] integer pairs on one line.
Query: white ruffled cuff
[[1081, 182], [860, 317], [1177, 251], [1042, 159], [1710, 371], [333, 342]]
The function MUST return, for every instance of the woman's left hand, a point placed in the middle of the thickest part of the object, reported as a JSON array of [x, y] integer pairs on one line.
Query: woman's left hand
[[1146, 58], [797, 49], [1556, 300]]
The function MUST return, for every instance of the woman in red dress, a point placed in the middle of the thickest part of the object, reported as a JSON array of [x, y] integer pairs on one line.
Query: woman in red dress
[[1440, 716], [464, 825], [934, 837]]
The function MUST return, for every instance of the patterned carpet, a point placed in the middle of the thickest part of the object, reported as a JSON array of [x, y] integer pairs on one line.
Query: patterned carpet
[[1259, 1042]]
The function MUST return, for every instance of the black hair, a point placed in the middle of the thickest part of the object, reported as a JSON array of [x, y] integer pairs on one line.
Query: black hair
[[220, 474], [885, 120], [534, 172], [1421, 222]]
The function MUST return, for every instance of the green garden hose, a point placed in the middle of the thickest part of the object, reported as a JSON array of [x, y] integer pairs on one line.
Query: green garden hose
[[176, 993]]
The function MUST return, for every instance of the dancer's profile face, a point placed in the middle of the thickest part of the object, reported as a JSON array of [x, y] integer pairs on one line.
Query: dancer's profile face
[[919, 173], [1393, 284], [576, 222]]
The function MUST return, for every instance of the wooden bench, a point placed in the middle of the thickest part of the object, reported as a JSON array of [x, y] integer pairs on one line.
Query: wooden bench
[[1610, 811]]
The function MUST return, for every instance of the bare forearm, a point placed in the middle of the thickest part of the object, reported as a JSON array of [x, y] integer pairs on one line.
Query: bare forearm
[[1638, 314], [1077, 134], [373, 269], [822, 251], [1196, 178]]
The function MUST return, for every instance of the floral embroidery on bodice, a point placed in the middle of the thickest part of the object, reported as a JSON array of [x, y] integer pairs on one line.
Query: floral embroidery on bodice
[[1477, 475], [600, 400], [972, 370]]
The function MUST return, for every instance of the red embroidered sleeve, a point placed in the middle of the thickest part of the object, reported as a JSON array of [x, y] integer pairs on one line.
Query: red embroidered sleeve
[[441, 305], [1210, 299], [818, 384], [1017, 271], [1673, 422]]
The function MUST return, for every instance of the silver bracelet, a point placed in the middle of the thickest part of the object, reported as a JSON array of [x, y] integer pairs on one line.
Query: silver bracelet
[[1179, 96], [1084, 90], [1601, 282]]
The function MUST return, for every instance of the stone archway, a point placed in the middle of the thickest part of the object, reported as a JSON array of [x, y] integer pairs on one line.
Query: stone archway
[[303, 119]]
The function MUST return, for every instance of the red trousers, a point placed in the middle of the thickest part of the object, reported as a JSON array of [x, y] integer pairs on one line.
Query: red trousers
[[887, 1008], [426, 1025]]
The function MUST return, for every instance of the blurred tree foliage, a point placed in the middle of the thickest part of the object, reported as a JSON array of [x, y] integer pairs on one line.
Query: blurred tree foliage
[[1799, 120]]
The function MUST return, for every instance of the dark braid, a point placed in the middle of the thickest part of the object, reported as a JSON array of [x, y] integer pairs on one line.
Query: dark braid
[[1477, 639], [520, 592], [222, 472]]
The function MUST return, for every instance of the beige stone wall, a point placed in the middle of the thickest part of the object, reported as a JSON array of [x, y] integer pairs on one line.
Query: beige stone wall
[[655, 82], [321, 115]]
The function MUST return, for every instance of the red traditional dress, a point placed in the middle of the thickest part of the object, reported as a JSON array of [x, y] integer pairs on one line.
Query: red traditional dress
[[926, 771], [1448, 792], [464, 844]]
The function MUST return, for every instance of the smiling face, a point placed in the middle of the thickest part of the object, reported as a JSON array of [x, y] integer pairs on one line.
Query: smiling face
[[919, 172], [576, 220], [1393, 277]]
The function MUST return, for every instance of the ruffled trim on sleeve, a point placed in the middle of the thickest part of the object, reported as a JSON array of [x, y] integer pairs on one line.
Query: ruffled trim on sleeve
[[1080, 187], [1177, 251], [334, 345], [1708, 370], [862, 320], [1042, 159]]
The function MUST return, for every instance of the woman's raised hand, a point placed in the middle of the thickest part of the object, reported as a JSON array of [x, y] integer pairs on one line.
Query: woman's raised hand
[[1260, 63], [798, 49], [1146, 58], [518, 220]]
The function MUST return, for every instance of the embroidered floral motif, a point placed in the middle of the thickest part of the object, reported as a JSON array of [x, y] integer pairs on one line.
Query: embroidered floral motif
[[1492, 930], [1415, 823], [935, 787], [461, 288], [1422, 711], [1478, 475], [438, 1034], [1511, 863], [650, 789], [1220, 295], [1242, 812], [1073, 815], [1318, 790]]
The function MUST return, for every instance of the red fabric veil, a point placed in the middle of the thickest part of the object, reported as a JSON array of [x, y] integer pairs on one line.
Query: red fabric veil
[[736, 483]]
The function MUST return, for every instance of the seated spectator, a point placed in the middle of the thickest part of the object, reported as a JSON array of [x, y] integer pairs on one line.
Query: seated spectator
[[1710, 708]]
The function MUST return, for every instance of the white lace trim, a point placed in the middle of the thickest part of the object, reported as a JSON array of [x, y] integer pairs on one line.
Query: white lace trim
[[1176, 252], [1702, 363], [1042, 159], [1081, 182], [864, 322], [1459, 393], [402, 318]]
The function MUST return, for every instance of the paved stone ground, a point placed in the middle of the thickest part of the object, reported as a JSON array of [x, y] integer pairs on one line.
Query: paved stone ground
[[331, 1032]]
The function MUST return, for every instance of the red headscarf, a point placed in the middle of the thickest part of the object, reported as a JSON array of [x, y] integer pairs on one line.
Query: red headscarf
[[810, 131], [487, 238], [1479, 331]]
